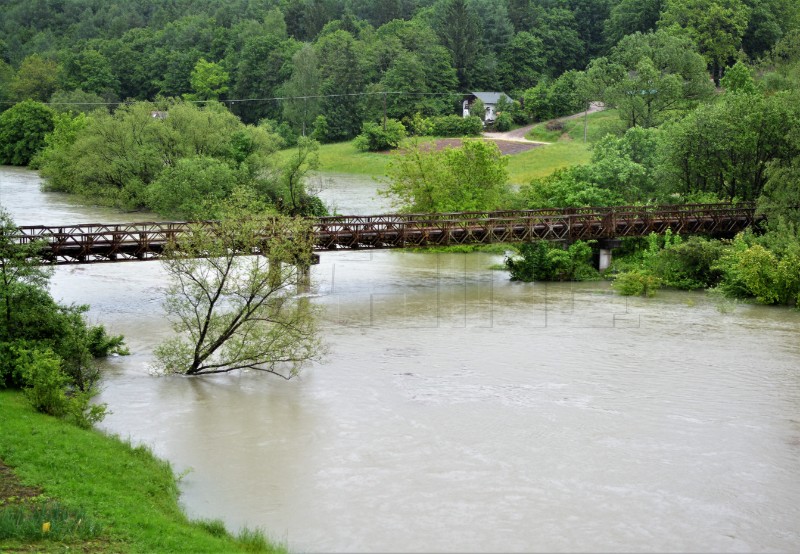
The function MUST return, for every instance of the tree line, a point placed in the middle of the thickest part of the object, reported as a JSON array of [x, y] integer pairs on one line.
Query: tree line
[[294, 61]]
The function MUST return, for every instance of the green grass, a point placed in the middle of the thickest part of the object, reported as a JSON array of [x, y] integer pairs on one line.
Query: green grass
[[599, 124], [127, 496], [544, 160], [567, 149]]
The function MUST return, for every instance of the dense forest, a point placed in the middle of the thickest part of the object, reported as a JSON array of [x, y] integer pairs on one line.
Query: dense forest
[[707, 94], [340, 55]]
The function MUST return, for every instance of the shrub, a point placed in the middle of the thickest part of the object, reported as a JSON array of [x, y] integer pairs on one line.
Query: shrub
[[374, 137], [504, 122], [637, 283], [546, 261], [23, 128], [456, 126]]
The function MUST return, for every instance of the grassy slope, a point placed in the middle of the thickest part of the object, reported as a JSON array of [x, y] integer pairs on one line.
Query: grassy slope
[[129, 491], [567, 149]]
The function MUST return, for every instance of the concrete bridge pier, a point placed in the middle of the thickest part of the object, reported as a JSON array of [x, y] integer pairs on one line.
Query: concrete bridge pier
[[603, 250]]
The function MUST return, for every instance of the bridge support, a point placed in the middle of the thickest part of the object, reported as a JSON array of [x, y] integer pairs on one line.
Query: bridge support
[[603, 251]]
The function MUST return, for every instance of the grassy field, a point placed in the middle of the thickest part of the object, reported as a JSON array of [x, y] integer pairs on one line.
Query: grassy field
[[94, 492], [567, 149]]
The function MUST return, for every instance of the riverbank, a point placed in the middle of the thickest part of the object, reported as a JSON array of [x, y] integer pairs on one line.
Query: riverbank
[[98, 493]]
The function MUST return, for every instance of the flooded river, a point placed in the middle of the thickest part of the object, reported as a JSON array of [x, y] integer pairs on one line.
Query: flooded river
[[457, 411]]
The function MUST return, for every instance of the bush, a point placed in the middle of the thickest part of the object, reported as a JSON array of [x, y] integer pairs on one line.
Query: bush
[[456, 126], [504, 122], [374, 138], [637, 283], [22, 131], [547, 261]]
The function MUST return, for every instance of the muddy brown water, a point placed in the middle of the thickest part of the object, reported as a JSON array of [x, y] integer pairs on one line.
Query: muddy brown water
[[457, 411]]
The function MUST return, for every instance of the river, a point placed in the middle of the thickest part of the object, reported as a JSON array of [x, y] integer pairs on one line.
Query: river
[[457, 411]]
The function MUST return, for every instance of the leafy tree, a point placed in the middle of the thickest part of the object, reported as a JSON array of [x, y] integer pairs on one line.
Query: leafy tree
[[302, 104], [235, 311], [209, 81], [263, 65], [726, 147], [522, 62], [632, 16], [192, 188], [470, 178], [716, 26], [738, 79], [116, 157], [90, 71], [289, 193], [77, 101], [458, 28], [46, 348], [546, 261], [564, 49], [374, 137], [780, 200], [566, 188], [340, 65], [650, 76], [36, 79], [22, 131]]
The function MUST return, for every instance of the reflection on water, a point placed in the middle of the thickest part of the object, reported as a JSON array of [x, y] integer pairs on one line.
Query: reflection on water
[[458, 411]]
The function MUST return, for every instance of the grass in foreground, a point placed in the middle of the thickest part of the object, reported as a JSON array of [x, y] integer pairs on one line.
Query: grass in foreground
[[98, 494]]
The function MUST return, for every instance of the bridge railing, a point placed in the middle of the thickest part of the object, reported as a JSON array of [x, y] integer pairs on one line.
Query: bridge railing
[[144, 240]]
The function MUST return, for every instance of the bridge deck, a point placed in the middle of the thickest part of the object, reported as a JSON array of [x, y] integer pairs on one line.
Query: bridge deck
[[92, 243]]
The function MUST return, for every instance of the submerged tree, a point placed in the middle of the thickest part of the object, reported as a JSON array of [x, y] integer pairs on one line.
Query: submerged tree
[[232, 298]]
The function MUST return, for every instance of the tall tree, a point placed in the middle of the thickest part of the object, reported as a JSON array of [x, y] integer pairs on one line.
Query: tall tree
[[342, 84], [302, 103], [717, 26], [36, 79], [459, 29], [631, 16]]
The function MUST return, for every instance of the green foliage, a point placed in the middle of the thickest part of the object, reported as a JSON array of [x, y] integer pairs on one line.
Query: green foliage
[[470, 178], [637, 283], [36, 79], [45, 348], [504, 122], [375, 138], [726, 147], [192, 188], [566, 188], [750, 270], [22, 131], [780, 198], [550, 99], [118, 158], [648, 77], [209, 81], [547, 261], [455, 126], [716, 26], [232, 311]]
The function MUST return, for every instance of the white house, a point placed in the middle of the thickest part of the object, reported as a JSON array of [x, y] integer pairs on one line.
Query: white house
[[489, 99]]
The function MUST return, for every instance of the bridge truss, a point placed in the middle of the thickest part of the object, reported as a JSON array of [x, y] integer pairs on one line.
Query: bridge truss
[[93, 243]]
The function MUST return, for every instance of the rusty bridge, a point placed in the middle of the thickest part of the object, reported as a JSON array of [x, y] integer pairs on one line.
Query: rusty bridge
[[93, 243]]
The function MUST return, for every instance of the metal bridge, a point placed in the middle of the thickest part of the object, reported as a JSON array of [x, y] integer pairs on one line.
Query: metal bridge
[[97, 242]]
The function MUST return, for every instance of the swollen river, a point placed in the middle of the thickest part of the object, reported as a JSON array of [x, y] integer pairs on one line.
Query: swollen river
[[457, 411]]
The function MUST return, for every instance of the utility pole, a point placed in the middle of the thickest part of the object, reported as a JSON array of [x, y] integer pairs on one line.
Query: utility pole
[[384, 111]]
